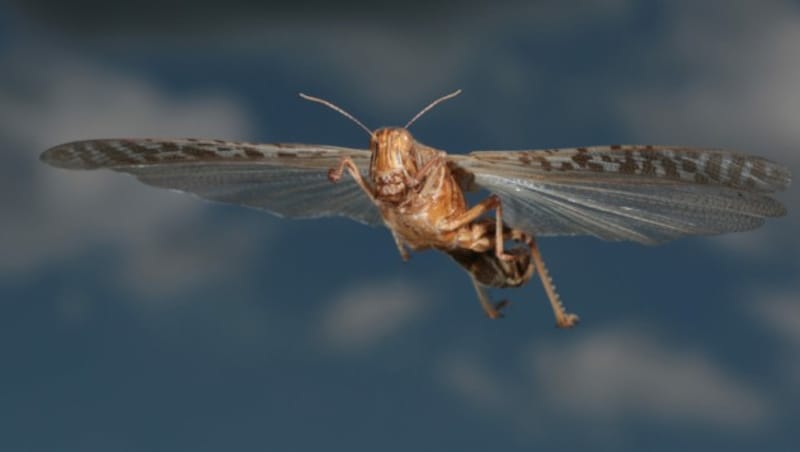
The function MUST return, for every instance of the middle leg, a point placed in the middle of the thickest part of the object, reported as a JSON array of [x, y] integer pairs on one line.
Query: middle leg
[[464, 219], [491, 309]]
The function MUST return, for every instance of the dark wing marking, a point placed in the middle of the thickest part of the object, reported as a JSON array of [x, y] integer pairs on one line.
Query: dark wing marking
[[647, 194], [285, 179]]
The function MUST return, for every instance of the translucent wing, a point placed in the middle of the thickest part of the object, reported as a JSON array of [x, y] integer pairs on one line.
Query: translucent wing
[[285, 179], [646, 194]]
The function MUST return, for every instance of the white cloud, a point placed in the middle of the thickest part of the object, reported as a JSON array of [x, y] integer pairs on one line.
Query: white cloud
[[614, 375], [363, 316], [54, 215], [397, 67], [70, 100], [188, 253], [607, 378], [740, 78], [779, 313], [472, 380]]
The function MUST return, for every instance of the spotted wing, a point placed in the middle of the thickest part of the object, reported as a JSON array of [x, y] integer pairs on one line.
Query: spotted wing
[[646, 194], [285, 179]]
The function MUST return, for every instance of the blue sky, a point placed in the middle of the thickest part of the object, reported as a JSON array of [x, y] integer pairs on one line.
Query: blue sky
[[133, 318]]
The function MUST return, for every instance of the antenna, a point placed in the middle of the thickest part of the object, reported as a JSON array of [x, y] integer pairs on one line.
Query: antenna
[[336, 108], [431, 105]]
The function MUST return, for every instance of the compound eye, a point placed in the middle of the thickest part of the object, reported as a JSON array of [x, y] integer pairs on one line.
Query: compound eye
[[403, 137]]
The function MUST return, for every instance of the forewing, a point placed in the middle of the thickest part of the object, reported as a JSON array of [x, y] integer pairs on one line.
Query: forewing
[[285, 179], [646, 194]]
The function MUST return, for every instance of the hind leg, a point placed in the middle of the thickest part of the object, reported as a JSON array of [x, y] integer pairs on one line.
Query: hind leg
[[564, 319]]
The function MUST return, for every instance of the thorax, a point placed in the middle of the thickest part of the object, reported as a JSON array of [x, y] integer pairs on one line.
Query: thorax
[[415, 186]]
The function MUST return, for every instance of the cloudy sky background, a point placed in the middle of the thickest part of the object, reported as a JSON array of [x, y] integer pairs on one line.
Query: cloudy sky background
[[133, 318]]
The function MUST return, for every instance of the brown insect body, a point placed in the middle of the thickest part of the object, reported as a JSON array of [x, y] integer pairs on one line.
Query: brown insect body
[[420, 194], [416, 192], [421, 200]]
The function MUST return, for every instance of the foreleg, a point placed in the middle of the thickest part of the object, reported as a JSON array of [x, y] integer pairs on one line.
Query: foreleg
[[335, 174]]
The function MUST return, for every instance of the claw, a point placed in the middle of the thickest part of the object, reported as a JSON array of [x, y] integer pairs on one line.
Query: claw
[[497, 313], [568, 321], [502, 304], [334, 175]]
